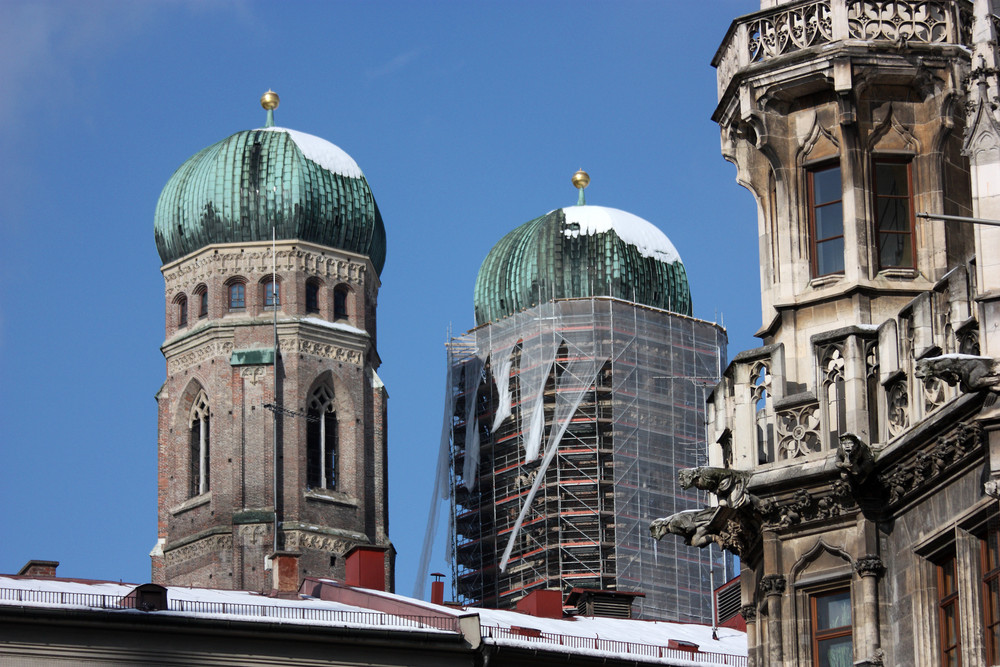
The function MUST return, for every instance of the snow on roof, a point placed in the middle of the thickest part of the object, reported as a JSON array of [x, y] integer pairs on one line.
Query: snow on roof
[[322, 152], [333, 325], [644, 235], [627, 639]]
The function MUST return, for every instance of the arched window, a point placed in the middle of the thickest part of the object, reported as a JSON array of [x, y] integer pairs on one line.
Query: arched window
[[312, 296], [182, 311], [340, 303], [199, 433], [321, 440], [237, 296], [202, 293]]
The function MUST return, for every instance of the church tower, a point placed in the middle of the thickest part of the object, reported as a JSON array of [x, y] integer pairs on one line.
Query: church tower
[[272, 419]]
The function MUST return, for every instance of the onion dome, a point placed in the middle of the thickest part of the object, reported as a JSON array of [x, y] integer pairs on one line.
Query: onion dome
[[577, 252], [236, 190]]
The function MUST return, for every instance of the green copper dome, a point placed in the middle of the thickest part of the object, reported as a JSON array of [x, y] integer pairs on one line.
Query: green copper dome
[[581, 251], [237, 189]]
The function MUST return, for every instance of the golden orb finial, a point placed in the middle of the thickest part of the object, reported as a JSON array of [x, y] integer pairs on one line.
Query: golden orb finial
[[581, 179], [269, 100]]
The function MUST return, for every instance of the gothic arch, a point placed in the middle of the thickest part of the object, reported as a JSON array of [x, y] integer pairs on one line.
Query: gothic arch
[[823, 553]]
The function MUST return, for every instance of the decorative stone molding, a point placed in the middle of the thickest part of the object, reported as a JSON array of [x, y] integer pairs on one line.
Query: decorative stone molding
[[925, 465], [253, 374], [253, 533], [992, 488], [749, 613], [301, 540], [772, 584], [797, 430], [325, 350], [970, 373], [206, 545], [869, 565], [897, 407], [199, 354], [804, 506]]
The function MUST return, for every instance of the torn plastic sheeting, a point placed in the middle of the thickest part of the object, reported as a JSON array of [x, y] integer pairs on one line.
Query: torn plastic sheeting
[[501, 363], [473, 371], [582, 373]]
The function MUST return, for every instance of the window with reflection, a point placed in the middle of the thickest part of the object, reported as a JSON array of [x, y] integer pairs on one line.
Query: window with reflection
[[893, 214], [182, 312], [832, 645], [826, 221], [203, 304], [237, 296]]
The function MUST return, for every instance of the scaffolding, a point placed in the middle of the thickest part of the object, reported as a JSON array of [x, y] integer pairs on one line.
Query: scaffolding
[[568, 424]]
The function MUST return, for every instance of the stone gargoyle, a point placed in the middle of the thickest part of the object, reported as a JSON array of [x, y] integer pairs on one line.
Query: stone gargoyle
[[969, 372], [854, 459], [729, 486], [692, 525]]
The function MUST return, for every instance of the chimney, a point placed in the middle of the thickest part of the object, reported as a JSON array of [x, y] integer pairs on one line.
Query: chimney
[[542, 603], [437, 588], [365, 567], [39, 568], [285, 573]]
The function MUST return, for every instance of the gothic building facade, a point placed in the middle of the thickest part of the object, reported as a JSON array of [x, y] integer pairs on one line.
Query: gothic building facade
[[272, 418], [582, 386], [855, 455]]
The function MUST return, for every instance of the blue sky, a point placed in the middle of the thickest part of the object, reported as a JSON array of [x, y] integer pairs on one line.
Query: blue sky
[[468, 119]]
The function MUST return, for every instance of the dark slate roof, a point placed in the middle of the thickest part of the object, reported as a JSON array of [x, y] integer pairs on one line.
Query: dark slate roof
[[551, 257], [236, 189]]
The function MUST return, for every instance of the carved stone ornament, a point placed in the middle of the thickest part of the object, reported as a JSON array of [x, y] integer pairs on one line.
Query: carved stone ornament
[[749, 613], [798, 431], [772, 584], [897, 407], [805, 506], [200, 354], [253, 374], [729, 486], [300, 540], [206, 545], [854, 459], [691, 525], [970, 373], [869, 565], [992, 488], [325, 350], [931, 461]]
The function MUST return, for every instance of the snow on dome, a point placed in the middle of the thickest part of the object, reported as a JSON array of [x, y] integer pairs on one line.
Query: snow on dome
[[644, 235], [322, 152]]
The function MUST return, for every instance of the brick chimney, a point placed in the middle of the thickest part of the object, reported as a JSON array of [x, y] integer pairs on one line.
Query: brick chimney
[[285, 573], [39, 568], [365, 567], [437, 588], [542, 603]]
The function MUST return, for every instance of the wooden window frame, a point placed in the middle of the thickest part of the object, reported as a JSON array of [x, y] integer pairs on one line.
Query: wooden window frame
[[948, 600], [911, 220], [814, 241], [817, 635], [991, 603], [271, 295]]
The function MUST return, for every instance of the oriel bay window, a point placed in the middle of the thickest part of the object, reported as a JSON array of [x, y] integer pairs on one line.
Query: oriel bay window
[[832, 645], [893, 214], [826, 221]]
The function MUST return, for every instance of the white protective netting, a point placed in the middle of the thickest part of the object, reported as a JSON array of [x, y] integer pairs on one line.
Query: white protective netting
[[569, 422]]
